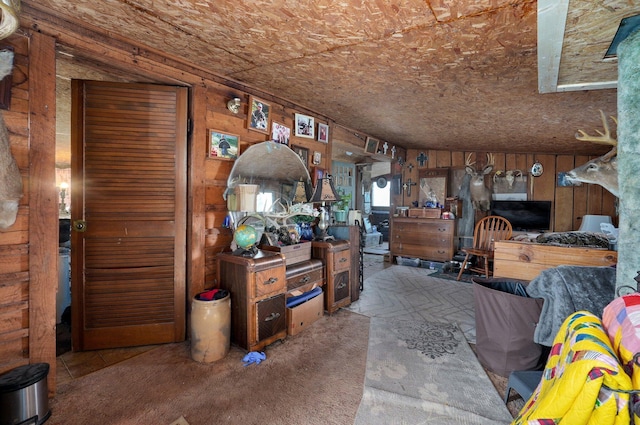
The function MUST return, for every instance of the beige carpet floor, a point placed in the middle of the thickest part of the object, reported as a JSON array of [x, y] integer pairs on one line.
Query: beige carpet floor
[[314, 377]]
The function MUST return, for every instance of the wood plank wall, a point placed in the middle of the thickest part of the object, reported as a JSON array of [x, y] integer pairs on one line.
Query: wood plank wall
[[28, 267], [569, 204], [14, 241]]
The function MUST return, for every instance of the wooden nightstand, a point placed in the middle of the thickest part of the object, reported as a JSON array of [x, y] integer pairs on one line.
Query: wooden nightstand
[[336, 256], [258, 288]]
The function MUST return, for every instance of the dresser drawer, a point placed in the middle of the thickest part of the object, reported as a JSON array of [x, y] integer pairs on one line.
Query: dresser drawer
[[443, 253], [433, 240], [341, 260], [305, 273], [437, 227], [269, 282]]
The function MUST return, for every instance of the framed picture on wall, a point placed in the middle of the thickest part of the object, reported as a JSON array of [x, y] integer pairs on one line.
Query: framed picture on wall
[[304, 126], [371, 145], [303, 153], [258, 118], [323, 133], [223, 145], [316, 175], [280, 133]]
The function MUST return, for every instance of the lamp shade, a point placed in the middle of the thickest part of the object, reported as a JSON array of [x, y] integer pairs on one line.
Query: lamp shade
[[324, 191]]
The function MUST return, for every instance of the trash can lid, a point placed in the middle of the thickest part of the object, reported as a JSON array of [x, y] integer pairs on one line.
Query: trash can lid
[[22, 377]]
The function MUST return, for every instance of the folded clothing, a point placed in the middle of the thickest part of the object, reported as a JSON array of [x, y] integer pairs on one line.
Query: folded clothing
[[299, 299], [212, 295]]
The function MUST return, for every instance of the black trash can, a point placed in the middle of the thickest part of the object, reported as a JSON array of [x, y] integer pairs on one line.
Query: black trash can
[[506, 318], [24, 395]]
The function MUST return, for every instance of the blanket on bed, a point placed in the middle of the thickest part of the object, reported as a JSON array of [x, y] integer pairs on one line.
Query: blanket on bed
[[567, 289]]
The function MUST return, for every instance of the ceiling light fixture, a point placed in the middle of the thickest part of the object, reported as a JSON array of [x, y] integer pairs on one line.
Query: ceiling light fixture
[[234, 105]]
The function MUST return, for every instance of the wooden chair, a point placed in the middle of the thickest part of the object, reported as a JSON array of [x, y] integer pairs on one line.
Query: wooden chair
[[489, 229]]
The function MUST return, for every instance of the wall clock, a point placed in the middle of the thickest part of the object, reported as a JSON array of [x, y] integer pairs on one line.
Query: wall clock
[[537, 169]]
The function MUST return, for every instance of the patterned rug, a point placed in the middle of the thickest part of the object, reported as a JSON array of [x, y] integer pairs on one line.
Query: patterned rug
[[425, 372]]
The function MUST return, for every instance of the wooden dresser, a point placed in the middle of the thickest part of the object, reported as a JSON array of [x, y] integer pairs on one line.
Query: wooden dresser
[[336, 256], [258, 287], [425, 238]]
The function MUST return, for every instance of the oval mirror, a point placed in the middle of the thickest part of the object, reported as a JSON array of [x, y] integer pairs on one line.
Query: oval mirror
[[266, 177]]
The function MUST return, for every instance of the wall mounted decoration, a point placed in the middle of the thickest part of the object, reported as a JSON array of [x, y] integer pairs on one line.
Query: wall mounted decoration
[[258, 117], [371, 145], [304, 126], [317, 158], [280, 133], [223, 145], [303, 153], [323, 133]]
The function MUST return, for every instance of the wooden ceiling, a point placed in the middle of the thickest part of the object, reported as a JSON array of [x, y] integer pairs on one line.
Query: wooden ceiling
[[425, 74]]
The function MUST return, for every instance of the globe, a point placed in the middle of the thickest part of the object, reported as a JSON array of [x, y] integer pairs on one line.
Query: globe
[[245, 236]]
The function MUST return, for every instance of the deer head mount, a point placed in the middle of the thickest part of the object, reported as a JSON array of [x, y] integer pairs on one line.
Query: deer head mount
[[602, 170], [480, 193], [509, 175], [10, 178]]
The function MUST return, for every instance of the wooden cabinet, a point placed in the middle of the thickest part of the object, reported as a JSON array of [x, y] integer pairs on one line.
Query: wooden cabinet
[[336, 256], [429, 239], [354, 236], [258, 291], [525, 260]]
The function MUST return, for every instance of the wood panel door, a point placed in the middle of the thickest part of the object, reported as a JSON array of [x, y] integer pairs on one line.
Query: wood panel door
[[128, 214]]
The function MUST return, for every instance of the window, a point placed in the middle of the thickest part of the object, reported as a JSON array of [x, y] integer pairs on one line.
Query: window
[[381, 197]]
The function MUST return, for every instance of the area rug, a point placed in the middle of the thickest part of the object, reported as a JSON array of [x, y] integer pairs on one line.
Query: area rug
[[421, 372], [466, 277], [406, 292], [314, 377]]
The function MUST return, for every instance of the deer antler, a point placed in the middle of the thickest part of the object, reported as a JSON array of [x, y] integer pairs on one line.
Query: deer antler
[[491, 160], [467, 161], [603, 138]]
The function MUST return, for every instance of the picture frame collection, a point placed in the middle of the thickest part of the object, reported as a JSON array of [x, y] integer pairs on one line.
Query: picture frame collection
[[226, 146]]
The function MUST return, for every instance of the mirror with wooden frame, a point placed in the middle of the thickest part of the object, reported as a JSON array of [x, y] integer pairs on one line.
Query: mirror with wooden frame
[[433, 186]]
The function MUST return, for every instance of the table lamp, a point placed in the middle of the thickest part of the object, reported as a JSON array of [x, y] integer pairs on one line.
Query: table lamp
[[325, 193]]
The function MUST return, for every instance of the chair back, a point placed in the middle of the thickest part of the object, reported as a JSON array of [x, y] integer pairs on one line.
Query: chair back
[[489, 229]]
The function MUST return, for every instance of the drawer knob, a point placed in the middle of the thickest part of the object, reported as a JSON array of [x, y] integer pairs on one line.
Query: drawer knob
[[341, 285], [271, 281], [305, 279], [344, 260], [272, 316]]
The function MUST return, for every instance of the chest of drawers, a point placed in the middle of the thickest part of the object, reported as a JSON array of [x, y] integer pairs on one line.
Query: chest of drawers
[[429, 239], [258, 287]]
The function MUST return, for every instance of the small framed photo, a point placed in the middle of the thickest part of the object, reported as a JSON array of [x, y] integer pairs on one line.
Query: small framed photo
[[280, 133], [303, 153], [223, 145], [317, 174], [258, 118], [371, 145], [323, 133], [317, 158], [304, 126]]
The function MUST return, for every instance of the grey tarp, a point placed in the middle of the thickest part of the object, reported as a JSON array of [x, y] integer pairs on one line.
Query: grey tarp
[[506, 319]]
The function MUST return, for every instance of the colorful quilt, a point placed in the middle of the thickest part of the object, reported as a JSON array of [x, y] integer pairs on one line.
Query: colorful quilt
[[583, 381], [621, 319]]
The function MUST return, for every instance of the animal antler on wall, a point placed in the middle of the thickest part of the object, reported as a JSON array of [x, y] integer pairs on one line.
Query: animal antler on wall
[[10, 178], [9, 21], [602, 170]]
